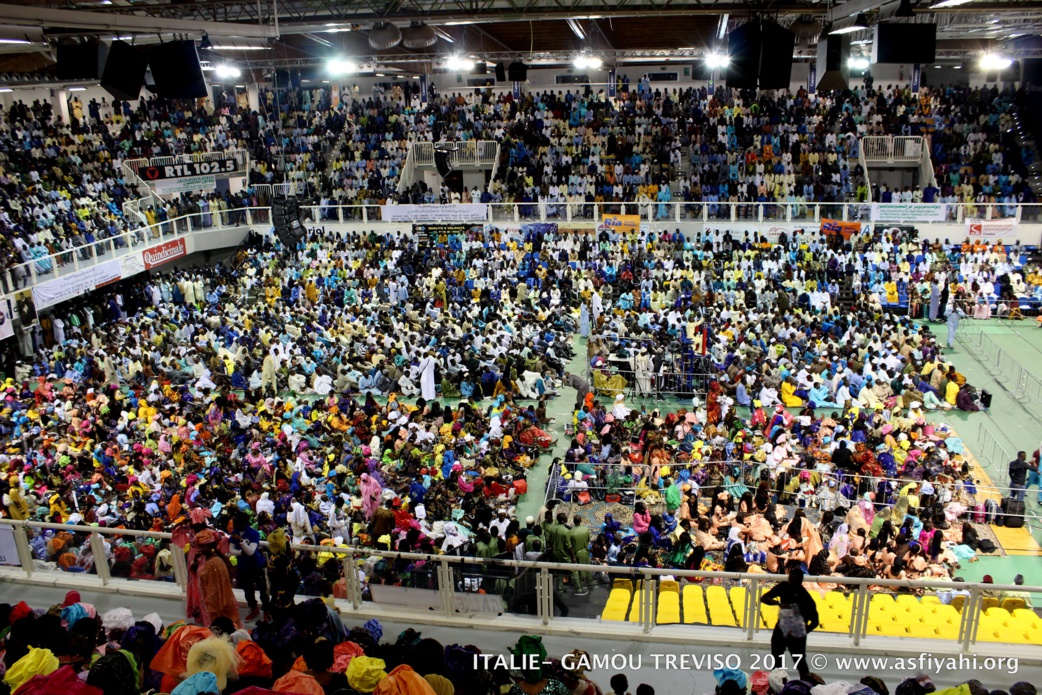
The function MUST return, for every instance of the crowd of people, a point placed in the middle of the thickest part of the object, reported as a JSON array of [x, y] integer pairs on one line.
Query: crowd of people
[[72, 648]]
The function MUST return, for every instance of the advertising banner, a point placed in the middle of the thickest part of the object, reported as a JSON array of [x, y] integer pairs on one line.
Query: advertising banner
[[991, 229], [6, 319], [187, 184], [909, 212], [469, 212], [165, 252], [847, 229], [188, 169], [625, 224], [76, 283], [436, 230]]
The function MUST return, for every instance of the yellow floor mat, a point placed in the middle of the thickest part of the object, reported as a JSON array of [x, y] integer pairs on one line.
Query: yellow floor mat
[[1017, 541]]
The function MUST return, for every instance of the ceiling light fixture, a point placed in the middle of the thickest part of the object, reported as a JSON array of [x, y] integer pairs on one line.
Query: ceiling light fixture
[[717, 60], [226, 71], [338, 66], [459, 64], [585, 61], [995, 61], [444, 35], [948, 3], [204, 43]]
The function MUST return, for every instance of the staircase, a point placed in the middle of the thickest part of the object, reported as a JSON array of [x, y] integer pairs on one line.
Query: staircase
[[1027, 123]]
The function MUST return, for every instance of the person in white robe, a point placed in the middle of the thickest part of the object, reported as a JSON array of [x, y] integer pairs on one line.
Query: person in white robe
[[427, 384]]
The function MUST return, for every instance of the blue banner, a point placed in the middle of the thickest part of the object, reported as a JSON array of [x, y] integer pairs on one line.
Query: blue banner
[[917, 77], [423, 89], [712, 83], [612, 86], [812, 81], [517, 89]]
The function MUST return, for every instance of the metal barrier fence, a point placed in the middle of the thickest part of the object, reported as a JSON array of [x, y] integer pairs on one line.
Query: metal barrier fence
[[486, 589], [1024, 385], [22, 276], [890, 148], [466, 153]]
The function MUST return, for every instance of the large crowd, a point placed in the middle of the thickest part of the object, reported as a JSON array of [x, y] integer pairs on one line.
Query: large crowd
[[72, 648]]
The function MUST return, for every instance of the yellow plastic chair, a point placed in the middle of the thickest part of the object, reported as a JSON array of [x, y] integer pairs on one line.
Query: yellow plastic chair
[[989, 602], [668, 585], [739, 597], [622, 584], [694, 605], [719, 607], [1027, 615], [907, 602], [1012, 604], [768, 616], [958, 602], [945, 614], [668, 608], [930, 599]]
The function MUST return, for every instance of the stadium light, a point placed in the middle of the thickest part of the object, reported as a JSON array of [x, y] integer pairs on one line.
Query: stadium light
[[226, 71], [857, 63], [338, 66], [717, 60], [586, 61], [459, 64], [995, 61]]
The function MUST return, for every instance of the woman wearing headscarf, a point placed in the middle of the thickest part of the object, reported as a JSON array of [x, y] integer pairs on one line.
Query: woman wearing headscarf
[[533, 681], [214, 581]]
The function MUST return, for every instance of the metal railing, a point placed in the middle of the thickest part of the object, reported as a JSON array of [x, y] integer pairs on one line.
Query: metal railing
[[75, 258], [1024, 385], [892, 148], [472, 153], [528, 591]]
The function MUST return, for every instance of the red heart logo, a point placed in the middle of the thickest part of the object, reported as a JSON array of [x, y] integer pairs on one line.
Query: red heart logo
[[152, 173]]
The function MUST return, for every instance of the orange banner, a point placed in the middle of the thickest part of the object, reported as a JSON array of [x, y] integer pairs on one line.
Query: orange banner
[[847, 229]]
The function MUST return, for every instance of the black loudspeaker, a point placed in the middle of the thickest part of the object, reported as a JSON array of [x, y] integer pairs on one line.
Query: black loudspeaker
[[518, 71], [285, 218], [176, 70], [833, 54], [441, 161], [743, 47], [480, 68], [776, 47], [985, 398], [81, 61], [124, 71], [904, 43], [501, 72]]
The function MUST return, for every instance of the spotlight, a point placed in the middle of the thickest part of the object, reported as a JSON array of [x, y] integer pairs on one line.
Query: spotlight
[[585, 61], [204, 43], [860, 22], [995, 61], [459, 64], [857, 63], [337, 66], [716, 60], [225, 71]]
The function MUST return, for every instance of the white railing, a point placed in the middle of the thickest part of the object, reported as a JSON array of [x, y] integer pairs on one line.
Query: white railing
[[466, 153], [452, 584], [892, 149], [241, 157], [75, 258]]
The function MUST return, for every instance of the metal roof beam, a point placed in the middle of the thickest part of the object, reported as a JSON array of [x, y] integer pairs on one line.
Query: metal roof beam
[[123, 23]]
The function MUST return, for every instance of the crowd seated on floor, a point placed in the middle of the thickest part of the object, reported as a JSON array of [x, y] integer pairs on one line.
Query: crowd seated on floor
[[855, 492], [309, 650], [767, 322]]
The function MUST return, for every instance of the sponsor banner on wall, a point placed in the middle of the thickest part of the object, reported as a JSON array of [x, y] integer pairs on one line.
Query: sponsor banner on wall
[[187, 184], [6, 320], [76, 283], [8, 549], [165, 252], [539, 228], [991, 228], [847, 229], [188, 169], [464, 212], [436, 230], [131, 264], [625, 224], [909, 212]]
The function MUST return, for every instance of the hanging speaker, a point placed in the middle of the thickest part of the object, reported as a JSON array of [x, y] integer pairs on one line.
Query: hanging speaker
[[501, 72], [518, 71], [441, 162], [124, 74]]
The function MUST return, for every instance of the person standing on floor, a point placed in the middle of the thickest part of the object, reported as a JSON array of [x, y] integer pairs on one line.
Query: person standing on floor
[[1018, 476], [245, 544], [954, 315], [797, 617]]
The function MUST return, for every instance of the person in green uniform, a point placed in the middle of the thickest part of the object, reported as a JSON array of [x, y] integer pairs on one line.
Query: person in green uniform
[[579, 536]]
